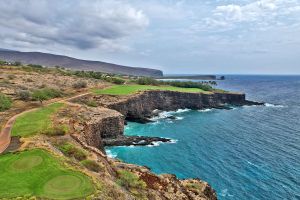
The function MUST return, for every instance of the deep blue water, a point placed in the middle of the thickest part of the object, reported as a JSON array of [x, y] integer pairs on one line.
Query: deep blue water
[[244, 153]]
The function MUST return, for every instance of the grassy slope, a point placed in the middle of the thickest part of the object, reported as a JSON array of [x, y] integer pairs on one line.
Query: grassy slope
[[35, 179], [33, 122], [130, 89]]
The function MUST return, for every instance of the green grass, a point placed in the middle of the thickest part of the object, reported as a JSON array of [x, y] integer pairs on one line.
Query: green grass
[[36, 121], [71, 150], [37, 173], [131, 89]]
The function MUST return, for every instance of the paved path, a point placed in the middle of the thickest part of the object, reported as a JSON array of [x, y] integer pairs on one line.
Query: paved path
[[5, 136]]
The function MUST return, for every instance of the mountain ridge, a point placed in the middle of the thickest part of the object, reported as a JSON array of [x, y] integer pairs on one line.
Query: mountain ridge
[[51, 60]]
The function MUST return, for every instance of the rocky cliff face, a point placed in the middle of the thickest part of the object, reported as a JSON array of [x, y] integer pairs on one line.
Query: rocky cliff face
[[106, 125], [100, 123], [141, 105]]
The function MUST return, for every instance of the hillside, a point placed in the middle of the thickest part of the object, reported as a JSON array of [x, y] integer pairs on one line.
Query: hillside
[[51, 60]]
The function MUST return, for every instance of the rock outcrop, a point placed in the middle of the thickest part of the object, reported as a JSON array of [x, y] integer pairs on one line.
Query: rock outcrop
[[140, 106], [101, 123]]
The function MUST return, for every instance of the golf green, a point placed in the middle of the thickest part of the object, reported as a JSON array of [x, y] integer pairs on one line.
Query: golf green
[[37, 173]]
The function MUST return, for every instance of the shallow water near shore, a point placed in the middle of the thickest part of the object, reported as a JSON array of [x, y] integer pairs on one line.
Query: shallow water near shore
[[249, 152]]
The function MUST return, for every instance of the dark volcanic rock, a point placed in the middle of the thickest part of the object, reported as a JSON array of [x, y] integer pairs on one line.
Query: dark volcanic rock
[[141, 106], [133, 140]]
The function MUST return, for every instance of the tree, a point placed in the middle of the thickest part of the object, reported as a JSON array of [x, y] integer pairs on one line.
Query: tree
[[17, 63], [2, 62], [5, 102], [40, 95]]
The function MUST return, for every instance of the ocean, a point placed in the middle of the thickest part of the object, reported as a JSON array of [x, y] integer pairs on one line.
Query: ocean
[[248, 152]]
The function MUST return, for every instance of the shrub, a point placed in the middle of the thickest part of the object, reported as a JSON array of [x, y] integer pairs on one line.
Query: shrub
[[5, 102], [17, 63], [118, 81], [29, 80], [182, 84], [80, 84], [129, 180], [56, 131], [45, 94], [148, 81], [23, 95], [91, 103], [2, 62], [11, 77], [91, 165], [71, 151], [35, 66]]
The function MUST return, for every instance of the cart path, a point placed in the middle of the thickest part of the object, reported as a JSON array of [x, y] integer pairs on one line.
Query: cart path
[[5, 134]]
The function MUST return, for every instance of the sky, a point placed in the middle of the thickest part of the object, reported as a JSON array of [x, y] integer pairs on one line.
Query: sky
[[176, 36]]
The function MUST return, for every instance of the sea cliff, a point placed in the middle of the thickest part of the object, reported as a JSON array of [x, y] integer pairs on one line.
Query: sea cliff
[[104, 126]]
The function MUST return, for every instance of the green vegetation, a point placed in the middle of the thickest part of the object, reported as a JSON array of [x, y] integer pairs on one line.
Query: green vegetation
[[91, 165], [2, 62], [80, 84], [56, 130], [130, 89], [35, 122], [206, 86], [98, 75], [91, 103], [45, 94], [37, 173], [71, 150], [5, 102], [130, 180], [23, 95]]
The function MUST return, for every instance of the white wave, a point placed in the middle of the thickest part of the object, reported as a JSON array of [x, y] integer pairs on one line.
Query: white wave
[[110, 154], [273, 105], [182, 110], [206, 110], [162, 115], [179, 118], [166, 114], [224, 193], [155, 144], [173, 141]]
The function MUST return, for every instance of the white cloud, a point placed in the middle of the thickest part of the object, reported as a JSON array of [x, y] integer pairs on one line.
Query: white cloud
[[259, 12], [80, 24]]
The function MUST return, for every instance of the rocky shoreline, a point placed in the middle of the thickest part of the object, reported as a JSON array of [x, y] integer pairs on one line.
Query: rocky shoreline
[[134, 141], [105, 126]]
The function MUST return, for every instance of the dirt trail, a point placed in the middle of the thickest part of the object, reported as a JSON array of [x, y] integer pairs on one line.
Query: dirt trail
[[5, 136]]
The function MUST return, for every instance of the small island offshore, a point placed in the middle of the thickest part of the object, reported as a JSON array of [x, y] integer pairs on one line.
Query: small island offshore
[[56, 122]]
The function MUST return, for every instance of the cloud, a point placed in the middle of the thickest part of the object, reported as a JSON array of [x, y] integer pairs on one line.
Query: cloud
[[80, 24], [259, 14]]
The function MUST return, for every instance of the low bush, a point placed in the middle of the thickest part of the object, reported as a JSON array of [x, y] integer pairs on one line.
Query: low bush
[[91, 165], [91, 103], [129, 180], [23, 95], [45, 94], [206, 86], [5, 102], [11, 77], [80, 84], [71, 151], [35, 66], [56, 131]]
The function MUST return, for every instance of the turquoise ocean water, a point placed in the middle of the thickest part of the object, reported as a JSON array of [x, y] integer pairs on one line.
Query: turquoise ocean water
[[244, 153]]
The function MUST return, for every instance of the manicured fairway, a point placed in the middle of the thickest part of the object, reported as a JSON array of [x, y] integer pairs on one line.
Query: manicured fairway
[[37, 173], [36, 121], [130, 89]]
